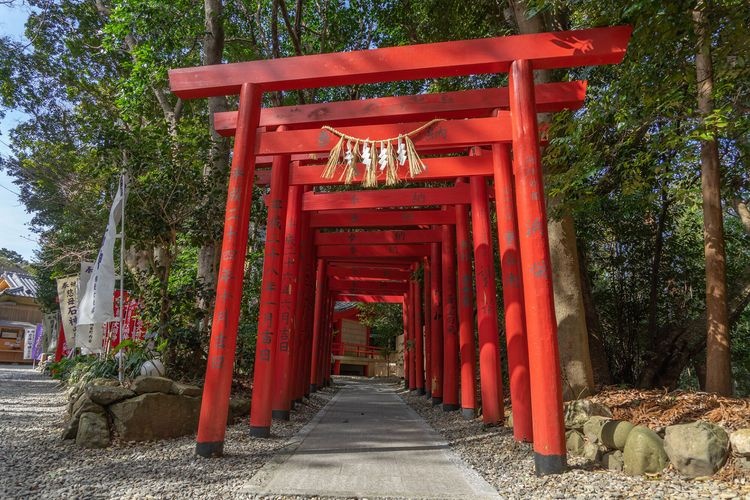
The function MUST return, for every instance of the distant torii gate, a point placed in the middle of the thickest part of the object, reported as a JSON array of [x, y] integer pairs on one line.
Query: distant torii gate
[[518, 55]]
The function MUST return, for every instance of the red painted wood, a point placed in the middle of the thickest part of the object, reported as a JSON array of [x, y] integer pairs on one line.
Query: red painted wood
[[358, 272], [441, 135], [287, 333], [515, 321], [541, 325], [438, 169], [489, 353], [381, 218], [300, 352], [450, 321], [426, 317], [368, 299], [367, 275], [416, 295], [436, 322], [392, 237], [268, 341], [560, 49], [478, 103], [368, 286], [408, 373], [320, 297], [409, 197], [466, 344], [218, 383], [357, 251]]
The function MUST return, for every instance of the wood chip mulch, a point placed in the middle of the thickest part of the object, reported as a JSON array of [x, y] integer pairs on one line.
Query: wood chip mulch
[[659, 408]]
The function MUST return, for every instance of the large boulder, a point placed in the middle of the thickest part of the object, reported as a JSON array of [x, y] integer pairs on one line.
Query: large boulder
[[614, 434], [146, 383], [185, 389], [696, 449], [580, 411], [644, 452], [93, 431], [592, 429], [740, 440], [155, 415], [105, 395]]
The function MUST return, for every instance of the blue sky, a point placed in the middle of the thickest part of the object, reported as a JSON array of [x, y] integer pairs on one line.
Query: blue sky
[[14, 231]]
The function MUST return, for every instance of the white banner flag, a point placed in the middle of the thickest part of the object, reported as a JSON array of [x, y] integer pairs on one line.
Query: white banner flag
[[96, 303], [89, 337], [28, 342], [67, 292]]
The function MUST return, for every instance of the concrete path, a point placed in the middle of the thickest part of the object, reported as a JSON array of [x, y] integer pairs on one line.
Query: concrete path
[[368, 443]]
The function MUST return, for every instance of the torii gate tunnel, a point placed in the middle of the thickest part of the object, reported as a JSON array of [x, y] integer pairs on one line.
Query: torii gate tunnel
[[366, 245]]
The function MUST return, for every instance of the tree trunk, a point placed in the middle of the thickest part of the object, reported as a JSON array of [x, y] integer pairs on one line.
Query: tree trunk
[[575, 359], [718, 369], [653, 306], [680, 344], [215, 171], [598, 353]]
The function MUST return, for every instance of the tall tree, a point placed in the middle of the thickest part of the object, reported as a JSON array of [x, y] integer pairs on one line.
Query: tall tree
[[718, 368], [575, 359]]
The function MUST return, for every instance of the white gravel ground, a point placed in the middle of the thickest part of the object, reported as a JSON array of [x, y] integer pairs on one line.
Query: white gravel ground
[[509, 466], [35, 463]]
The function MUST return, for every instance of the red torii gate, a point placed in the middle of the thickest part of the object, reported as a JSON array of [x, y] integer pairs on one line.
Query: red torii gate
[[517, 55]]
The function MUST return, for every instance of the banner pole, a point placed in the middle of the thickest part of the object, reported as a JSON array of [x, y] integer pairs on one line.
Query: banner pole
[[123, 181]]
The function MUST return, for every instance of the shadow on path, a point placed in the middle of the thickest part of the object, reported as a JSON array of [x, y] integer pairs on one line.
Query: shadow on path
[[368, 443]]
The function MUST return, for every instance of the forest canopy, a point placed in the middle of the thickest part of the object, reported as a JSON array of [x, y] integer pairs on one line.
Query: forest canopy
[[623, 174]]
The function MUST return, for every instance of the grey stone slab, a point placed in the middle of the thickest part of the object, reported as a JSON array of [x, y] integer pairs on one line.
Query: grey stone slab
[[367, 443]]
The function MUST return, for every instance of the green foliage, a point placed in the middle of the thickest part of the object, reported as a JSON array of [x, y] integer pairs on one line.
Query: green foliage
[[385, 322], [93, 83]]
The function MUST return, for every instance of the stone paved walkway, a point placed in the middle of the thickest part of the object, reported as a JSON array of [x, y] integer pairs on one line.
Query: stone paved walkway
[[368, 443]]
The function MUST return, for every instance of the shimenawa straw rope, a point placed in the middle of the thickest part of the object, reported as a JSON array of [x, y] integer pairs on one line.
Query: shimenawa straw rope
[[388, 159]]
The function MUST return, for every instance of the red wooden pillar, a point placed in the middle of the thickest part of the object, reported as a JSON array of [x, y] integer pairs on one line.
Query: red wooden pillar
[[541, 325], [489, 353], [218, 383], [325, 357], [267, 343], [436, 323], [450, 321], [427, 329], [300, 353], [515, 322], [309, 314], [328, 366], [412, 338], [418, 338], [317, 338], [465, 311], [405, 310], [283, 379]]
